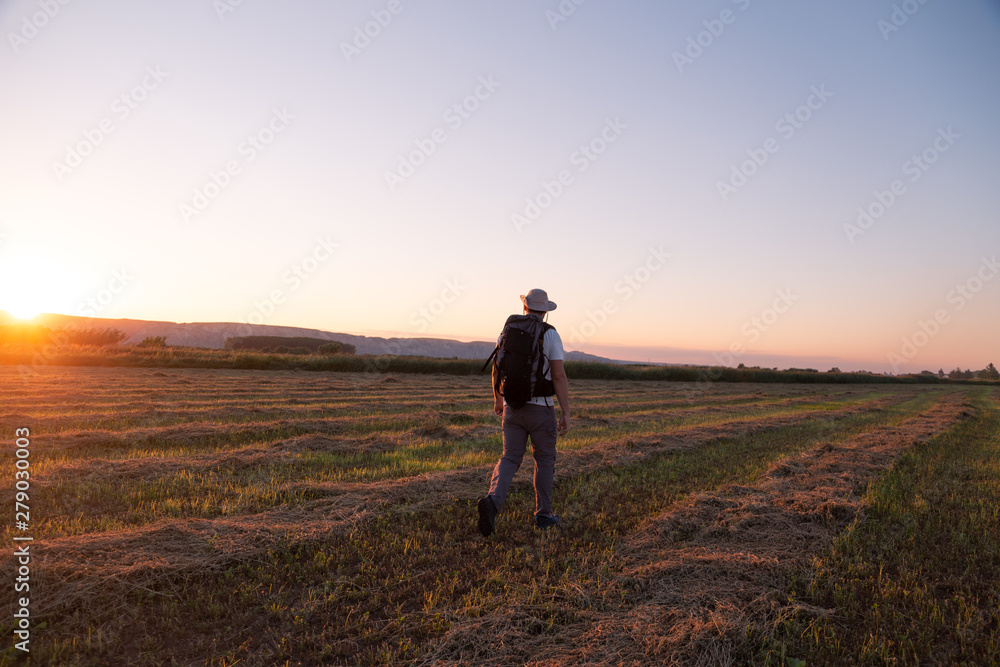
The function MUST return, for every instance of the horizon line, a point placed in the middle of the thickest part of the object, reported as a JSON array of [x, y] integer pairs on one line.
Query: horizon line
[[636, 354]]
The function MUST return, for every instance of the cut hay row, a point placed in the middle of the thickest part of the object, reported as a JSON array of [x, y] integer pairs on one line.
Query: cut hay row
[[85, 443], [284, 458], [695, 583], [192, 401]]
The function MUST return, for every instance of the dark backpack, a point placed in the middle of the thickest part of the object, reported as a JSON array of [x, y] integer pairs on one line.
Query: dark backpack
[[519, 360]]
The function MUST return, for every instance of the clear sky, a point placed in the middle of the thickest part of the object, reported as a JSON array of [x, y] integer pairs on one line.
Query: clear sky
[[684, 178]]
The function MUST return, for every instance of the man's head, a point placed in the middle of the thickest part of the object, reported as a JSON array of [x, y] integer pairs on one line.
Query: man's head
[[537, 302]]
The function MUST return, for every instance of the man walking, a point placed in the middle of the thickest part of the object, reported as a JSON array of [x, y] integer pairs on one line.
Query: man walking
[[524, 381]]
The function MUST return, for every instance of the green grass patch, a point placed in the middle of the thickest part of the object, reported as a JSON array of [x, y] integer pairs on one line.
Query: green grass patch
[[916, 579]]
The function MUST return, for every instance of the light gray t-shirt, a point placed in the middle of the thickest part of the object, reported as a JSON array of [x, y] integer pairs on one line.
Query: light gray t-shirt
[[552, 348]]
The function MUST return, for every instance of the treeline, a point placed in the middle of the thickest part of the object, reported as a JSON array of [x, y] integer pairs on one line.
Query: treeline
[[36, 335], [988, 373], [289, 345], [190, 357]]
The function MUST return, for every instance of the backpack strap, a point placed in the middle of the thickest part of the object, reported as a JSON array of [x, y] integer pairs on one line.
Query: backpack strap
[[540, 373], [541, 341], [497, 348], [494, 354]]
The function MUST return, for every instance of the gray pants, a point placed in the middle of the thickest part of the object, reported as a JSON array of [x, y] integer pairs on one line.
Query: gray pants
[[538, 422]]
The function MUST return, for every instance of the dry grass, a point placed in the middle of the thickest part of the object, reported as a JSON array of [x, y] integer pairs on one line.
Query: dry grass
[[690, 508]]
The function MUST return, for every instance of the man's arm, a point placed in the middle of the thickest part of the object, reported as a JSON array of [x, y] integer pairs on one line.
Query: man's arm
[[561, 384]]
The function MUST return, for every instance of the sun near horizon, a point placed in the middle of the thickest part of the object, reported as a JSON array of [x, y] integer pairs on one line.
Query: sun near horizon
[[34, 284]]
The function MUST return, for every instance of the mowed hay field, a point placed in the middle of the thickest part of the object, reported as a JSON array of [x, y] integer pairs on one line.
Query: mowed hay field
[[226, 517]]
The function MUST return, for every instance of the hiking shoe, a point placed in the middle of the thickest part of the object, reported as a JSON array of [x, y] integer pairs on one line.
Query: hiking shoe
[[546, 522], [487, 516]]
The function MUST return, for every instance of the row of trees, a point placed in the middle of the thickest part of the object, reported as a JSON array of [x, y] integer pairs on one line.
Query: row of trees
[[289, 345], [988, 373]]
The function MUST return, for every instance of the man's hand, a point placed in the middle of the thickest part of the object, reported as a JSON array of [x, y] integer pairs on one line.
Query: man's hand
[[498, 405], [561, 385]]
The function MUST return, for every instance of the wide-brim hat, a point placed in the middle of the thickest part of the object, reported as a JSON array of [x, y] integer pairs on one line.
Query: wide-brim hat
[[538, 300]]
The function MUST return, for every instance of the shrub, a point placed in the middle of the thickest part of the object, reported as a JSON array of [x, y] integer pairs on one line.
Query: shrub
[[272, 343], [100, 337], [154, 341], [336, 347]]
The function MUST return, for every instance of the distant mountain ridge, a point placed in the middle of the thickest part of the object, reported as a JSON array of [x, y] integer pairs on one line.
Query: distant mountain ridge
[[214, 335]]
